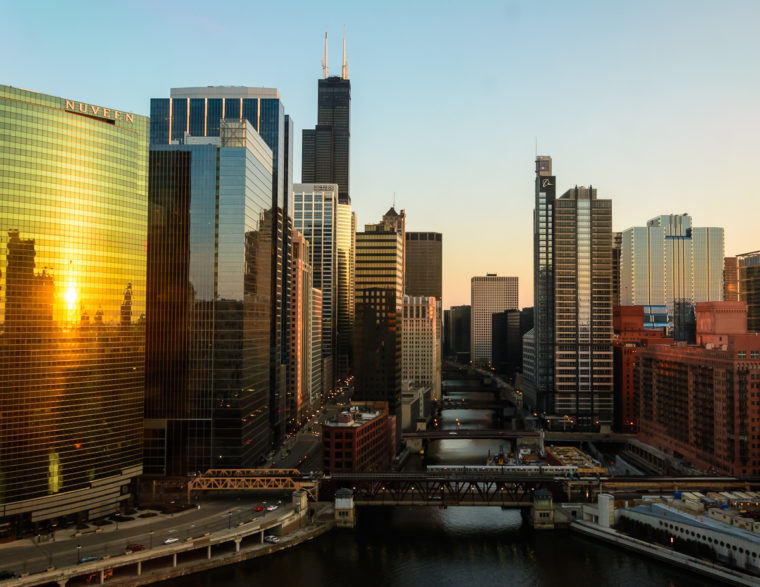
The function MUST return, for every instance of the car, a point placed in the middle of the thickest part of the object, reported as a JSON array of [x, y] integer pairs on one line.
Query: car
[[271, 539], [171, 540], [258, 508], [271, 508], [135, 547], [88, 559]]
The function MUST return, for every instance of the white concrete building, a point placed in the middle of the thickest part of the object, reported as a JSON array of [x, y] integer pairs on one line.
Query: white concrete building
[[421, 359]]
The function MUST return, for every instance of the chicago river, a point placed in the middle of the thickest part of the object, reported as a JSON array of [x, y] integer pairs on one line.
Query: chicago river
[[462, 546]]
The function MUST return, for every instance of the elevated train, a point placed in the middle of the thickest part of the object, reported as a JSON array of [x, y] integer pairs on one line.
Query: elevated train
[[549, 470]]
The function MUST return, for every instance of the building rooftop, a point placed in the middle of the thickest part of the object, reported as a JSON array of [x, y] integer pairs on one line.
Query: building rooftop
[[664, 512], [225, 92], [353, 417]]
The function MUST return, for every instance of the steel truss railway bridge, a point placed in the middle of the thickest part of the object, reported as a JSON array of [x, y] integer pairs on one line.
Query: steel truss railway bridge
[[486, 487]]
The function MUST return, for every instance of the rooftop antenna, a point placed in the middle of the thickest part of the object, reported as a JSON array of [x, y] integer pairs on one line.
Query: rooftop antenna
[[345, 63], [324, 59], [536, 147], [394, 200]]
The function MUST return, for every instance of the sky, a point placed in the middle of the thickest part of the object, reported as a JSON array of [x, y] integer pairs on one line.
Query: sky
[[653, 103]]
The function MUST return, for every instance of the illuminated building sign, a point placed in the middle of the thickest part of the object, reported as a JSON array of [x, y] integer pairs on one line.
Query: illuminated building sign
[[99, 111]]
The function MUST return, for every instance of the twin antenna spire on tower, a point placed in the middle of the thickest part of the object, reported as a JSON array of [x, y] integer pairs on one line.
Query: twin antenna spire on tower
[[345, 63]]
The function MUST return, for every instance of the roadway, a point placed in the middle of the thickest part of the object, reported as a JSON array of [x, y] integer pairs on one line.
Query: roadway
[[64, 549]]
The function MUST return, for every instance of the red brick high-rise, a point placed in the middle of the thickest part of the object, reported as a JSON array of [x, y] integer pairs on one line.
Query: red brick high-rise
[[630, 337], [701, 403]]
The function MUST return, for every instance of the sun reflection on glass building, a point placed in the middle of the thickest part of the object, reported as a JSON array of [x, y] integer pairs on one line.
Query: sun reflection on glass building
[[73, 221]]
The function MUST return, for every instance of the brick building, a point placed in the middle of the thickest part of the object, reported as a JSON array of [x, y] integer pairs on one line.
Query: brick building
[[359, 439], [630, 336], [700, 403]]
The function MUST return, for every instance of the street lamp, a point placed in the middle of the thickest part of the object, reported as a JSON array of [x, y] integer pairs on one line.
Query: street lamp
[[79, 551], [151, 539]]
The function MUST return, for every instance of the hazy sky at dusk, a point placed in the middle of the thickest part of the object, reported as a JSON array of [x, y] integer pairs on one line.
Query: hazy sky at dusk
[[654, 103]]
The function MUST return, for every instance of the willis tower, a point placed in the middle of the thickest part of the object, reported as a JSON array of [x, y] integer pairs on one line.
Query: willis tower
[[326, 147]]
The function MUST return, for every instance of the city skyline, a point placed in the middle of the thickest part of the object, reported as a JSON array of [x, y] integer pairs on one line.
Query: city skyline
[[666, 124]]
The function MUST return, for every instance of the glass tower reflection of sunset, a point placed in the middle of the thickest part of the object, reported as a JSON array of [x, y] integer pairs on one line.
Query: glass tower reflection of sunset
[[73, 218]]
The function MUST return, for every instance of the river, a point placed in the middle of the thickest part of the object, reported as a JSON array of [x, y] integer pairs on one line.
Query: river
[[458, 546]]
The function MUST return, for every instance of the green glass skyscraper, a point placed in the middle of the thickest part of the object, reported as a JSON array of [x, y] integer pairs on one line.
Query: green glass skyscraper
[[73, 222]]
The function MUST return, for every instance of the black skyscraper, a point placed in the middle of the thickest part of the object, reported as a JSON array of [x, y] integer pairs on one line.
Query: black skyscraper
[[325, 156]]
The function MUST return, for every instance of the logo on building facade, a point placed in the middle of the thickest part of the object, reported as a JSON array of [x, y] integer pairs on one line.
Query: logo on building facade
[[91, 110], [546, 183]]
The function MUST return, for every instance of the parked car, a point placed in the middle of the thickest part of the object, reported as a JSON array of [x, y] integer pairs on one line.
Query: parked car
[[271, 539]]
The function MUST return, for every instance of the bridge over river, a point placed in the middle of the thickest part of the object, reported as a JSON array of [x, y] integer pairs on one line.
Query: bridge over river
[[488, 486]]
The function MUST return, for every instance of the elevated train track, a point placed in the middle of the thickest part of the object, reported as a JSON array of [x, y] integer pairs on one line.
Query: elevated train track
[[493, 485]]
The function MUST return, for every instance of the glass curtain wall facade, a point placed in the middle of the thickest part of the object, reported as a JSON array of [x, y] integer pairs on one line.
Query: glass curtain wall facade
[[748, 287], [345, 241], [708, 250], [424, 264], [315, 215], [642, 266], [209, 302], [583, 308], [198, 112], [73, 218], [543, 280], [325, 148], [670, 263]]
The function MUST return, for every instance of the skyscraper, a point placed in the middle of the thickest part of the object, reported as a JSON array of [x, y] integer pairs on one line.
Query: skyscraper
[[543, 285], [617, 243], [730, 280], [208, 395], [583, 308], [317, 362], [458, 330], [423, 276], [670, 263], [345, 246], [396, 221], [300, 363], [315, 215], [748, 287], [489, 295], [379, 303], [325, 149], [506, 343], [73, 218], [198, 112], [424, 264], [695, 401]]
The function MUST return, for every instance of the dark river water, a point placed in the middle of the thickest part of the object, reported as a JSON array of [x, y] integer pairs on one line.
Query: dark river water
[[458, 546]]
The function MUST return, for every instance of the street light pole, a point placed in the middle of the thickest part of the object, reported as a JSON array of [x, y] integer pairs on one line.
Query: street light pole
[[151, 539], [79, 551]]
